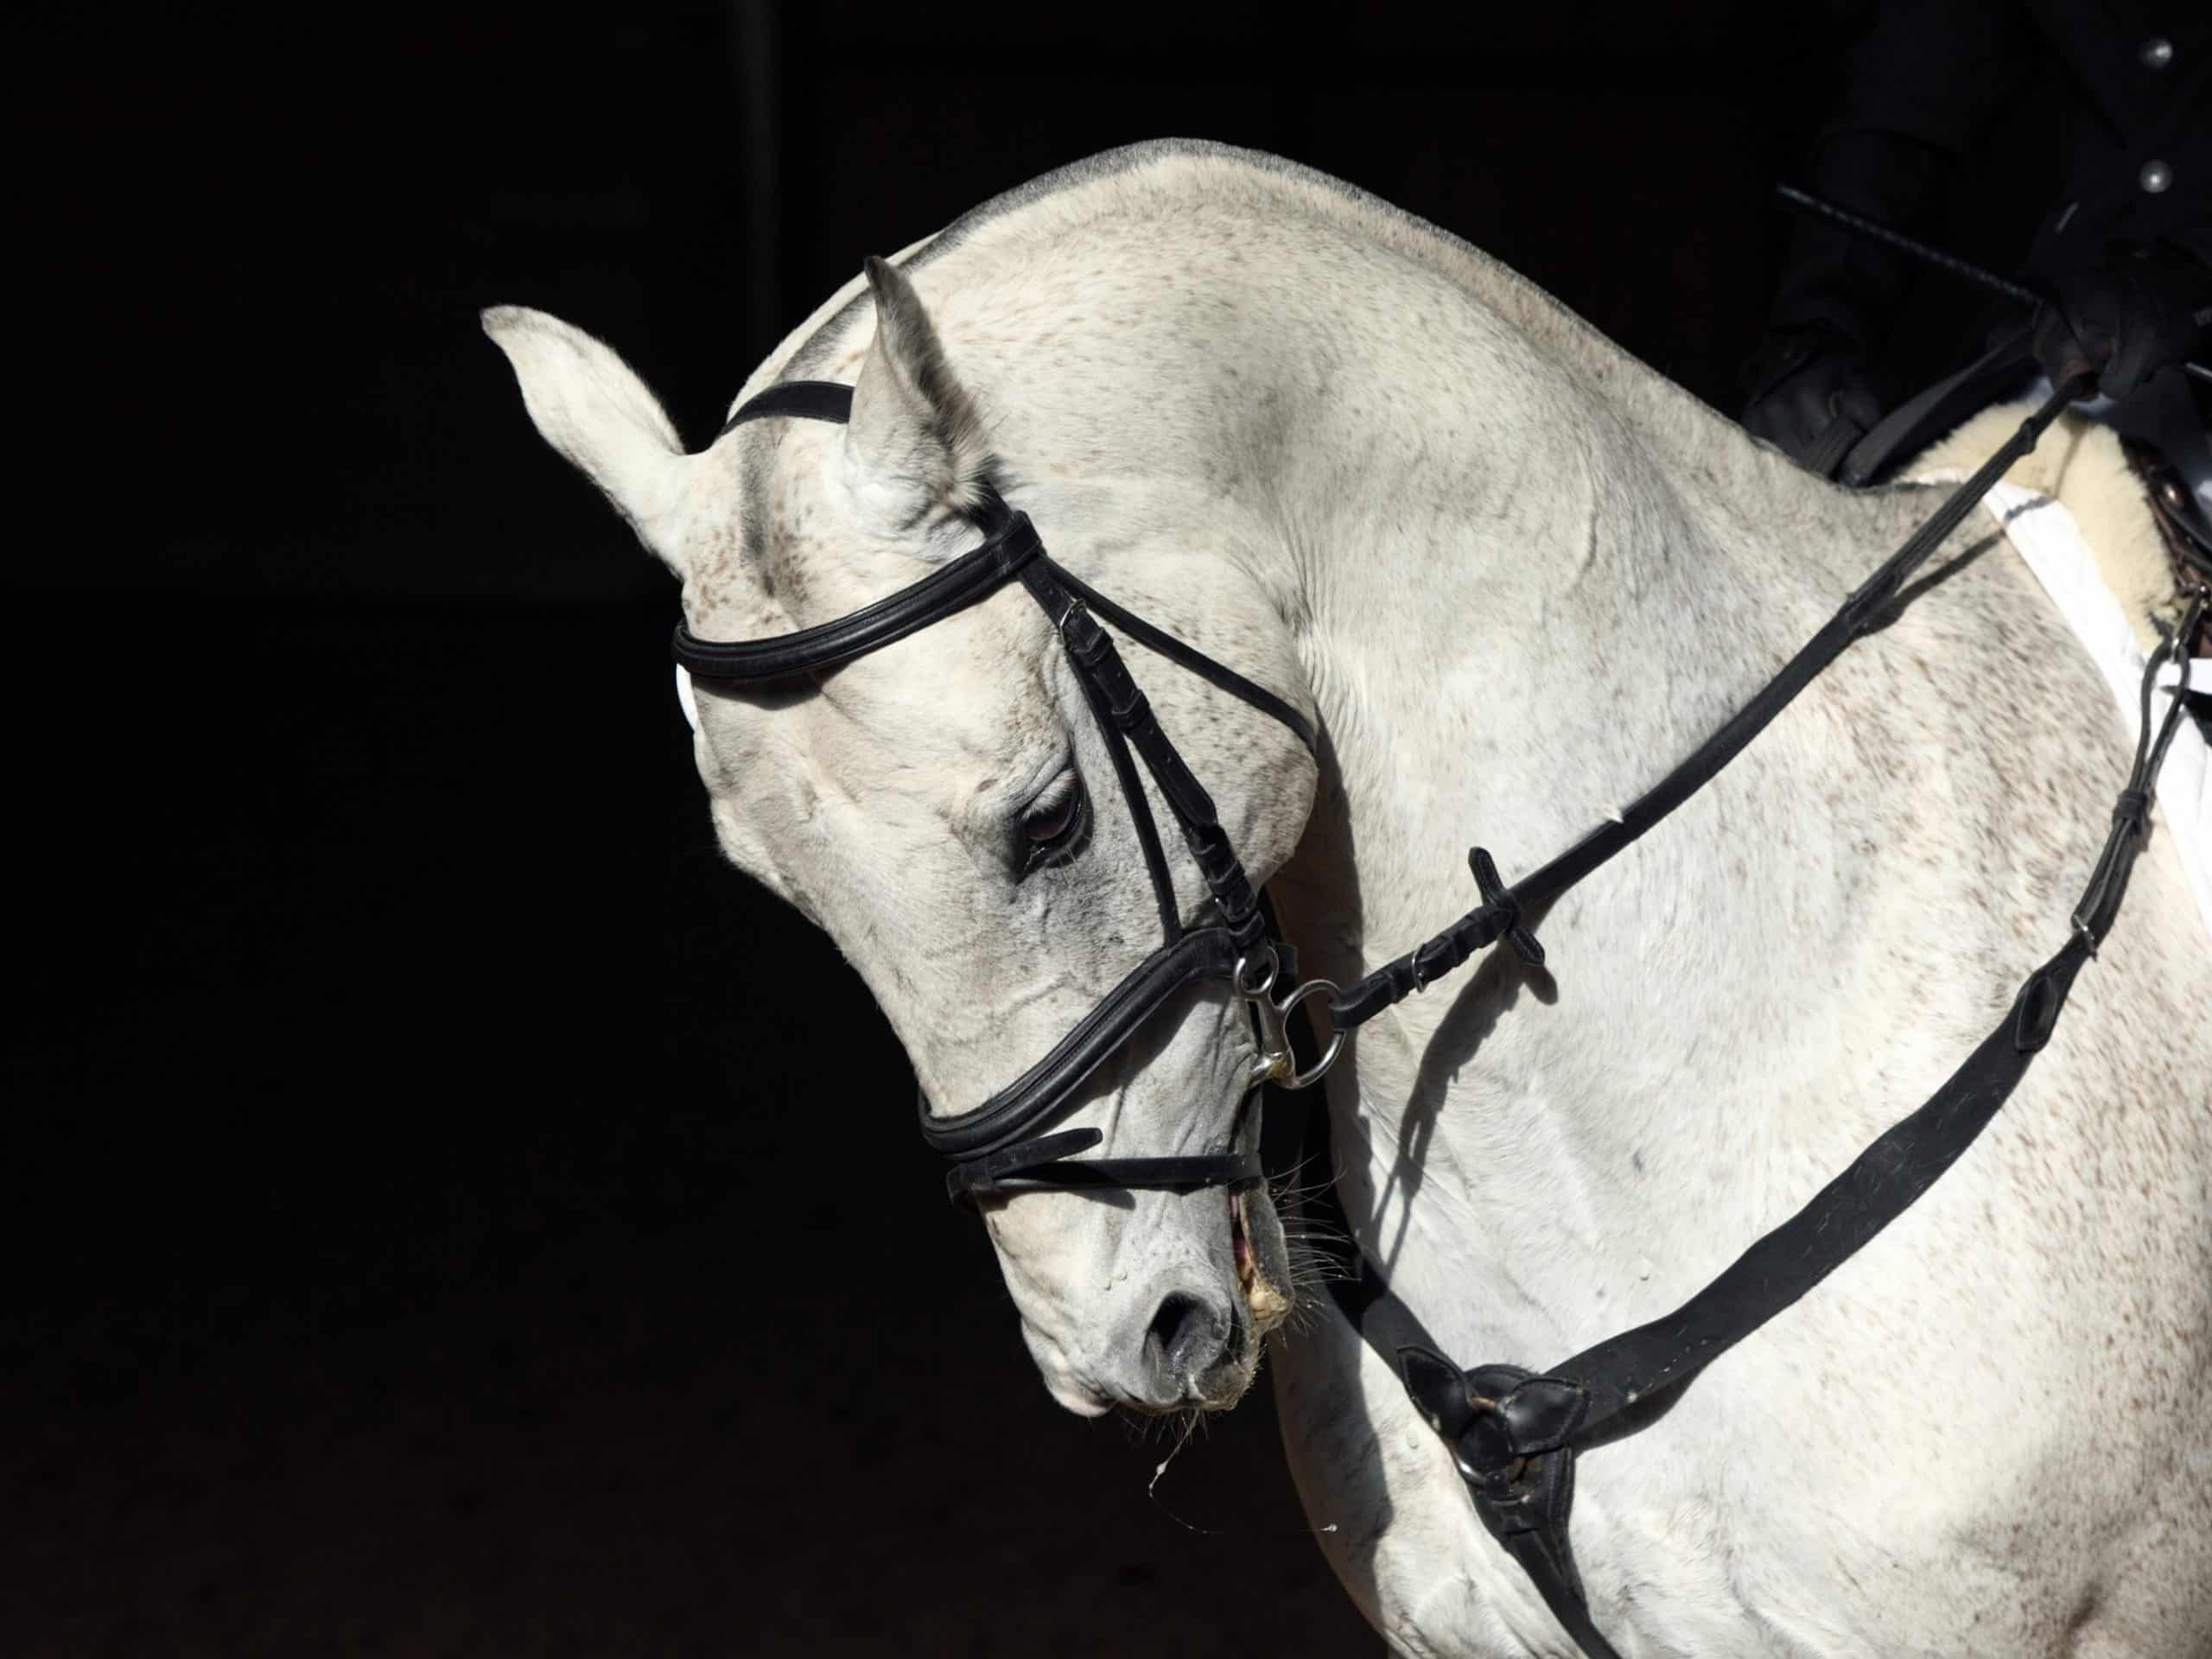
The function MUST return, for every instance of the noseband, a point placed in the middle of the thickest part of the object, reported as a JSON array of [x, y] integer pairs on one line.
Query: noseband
[[993, 1146]]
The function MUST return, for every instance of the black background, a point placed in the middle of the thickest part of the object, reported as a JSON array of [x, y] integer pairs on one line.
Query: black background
[[452, 1211]]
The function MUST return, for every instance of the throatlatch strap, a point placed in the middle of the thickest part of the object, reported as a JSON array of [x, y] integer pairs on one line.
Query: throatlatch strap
[[1226, 679], [1394, 980], [1513, 1434]]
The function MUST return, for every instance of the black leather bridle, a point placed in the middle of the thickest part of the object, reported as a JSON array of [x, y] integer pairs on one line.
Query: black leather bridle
[[1513, 1434], [992, 1145]]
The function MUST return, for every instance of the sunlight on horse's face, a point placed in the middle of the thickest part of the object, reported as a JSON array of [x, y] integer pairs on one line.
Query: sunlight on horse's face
[[946, 809]]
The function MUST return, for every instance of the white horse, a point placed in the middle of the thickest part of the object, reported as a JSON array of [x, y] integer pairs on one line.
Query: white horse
[[1513, 575]]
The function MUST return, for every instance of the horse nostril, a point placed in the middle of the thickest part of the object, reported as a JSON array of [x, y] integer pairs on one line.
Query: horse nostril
[[1185, 1336]]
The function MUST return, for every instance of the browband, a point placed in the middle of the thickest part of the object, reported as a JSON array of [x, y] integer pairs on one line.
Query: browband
[[971, 577], [975, 575]]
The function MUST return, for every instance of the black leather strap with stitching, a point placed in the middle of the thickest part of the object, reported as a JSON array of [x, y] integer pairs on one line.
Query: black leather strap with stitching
[[1045, 1087], [1043, 1165], [974, 575], [1139, 805], [1197, 662], [1128, 711]]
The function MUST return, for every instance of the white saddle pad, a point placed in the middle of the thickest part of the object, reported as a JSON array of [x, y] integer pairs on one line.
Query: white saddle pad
[[2044, 534]]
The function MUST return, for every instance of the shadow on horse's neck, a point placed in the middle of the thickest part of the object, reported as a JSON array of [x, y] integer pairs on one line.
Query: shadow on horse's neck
[[1502, 670]]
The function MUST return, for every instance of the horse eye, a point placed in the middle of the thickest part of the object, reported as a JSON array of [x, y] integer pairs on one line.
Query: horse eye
[[1050, 822], [1051, 826]]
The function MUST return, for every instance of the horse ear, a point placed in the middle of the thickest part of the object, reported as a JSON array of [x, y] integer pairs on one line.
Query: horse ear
[[916, 438], [592, 407]]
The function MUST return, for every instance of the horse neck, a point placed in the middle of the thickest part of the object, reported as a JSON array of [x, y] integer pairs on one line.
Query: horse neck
[[1508, 639], [1508, 642]]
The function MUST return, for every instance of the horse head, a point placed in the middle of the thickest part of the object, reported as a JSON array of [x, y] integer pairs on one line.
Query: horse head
[[949, 809]]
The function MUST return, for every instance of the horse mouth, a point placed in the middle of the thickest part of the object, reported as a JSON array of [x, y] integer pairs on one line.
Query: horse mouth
[[1262, 1264], [1262, 1261]]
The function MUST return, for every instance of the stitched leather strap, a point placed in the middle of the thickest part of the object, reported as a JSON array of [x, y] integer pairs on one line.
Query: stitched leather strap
[[1044, 1164], [1198, 663], [1046, 1087], [974, 575], [1139, 807], [1128, 711]]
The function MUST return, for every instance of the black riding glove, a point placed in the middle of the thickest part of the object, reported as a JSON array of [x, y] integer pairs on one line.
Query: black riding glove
[[2127, 317], [1811, 397]]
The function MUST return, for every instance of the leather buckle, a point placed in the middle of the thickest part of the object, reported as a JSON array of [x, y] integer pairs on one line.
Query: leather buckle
[[1422, 977]]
